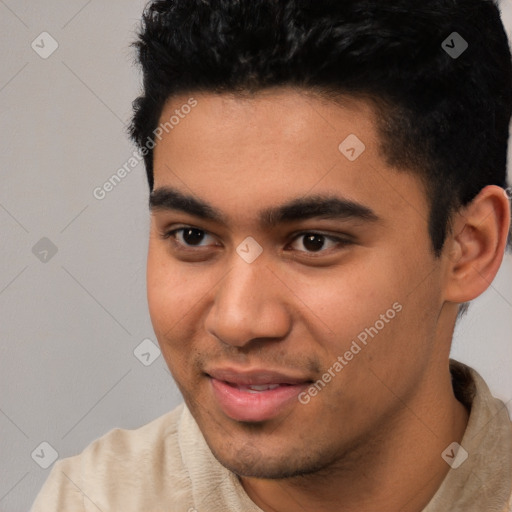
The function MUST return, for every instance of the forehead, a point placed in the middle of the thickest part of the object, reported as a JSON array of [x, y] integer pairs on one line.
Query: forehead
[[243, 153], [268, 120]]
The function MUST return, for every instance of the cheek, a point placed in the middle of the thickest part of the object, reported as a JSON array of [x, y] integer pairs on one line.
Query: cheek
[[171, 292], [372, 310], [168, 304], [160, 285], [350, 297], [178, 295]]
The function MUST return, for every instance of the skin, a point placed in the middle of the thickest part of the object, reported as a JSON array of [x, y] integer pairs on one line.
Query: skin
[[372, 438]]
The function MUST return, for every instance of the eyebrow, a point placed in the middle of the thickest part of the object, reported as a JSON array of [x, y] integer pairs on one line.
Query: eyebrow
[[318, 206]]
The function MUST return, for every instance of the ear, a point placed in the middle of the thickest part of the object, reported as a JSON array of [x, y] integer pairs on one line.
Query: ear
[[475, 248]]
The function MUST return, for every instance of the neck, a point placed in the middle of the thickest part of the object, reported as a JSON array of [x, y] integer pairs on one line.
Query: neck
[[400, 468]]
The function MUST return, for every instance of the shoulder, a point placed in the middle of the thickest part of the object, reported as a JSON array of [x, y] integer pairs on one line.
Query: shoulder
[[120, 448], [123, 463], [124, 444]]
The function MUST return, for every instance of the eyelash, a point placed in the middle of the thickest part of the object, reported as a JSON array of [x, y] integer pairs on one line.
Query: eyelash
[[339, 241]]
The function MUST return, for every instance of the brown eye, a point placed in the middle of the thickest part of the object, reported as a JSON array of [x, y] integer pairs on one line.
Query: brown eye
[[192, 236], [313, 242], [319, 243], [189, 237]]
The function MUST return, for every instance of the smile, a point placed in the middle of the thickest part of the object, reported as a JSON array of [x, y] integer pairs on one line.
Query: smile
[[255, 396]]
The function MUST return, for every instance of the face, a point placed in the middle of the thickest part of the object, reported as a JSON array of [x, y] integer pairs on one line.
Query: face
[[291, 284]]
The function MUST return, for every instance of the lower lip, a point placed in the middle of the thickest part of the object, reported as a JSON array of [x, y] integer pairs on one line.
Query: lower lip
[[254, 407]]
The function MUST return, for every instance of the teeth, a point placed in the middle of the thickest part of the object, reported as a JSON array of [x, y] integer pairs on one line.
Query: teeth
[[257, 389]]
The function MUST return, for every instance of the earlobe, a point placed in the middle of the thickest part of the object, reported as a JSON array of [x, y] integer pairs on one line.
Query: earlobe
[[476, 246]]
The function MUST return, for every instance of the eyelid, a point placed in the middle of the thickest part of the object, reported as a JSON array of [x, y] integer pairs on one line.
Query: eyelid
[[337, 239], [170, 233]]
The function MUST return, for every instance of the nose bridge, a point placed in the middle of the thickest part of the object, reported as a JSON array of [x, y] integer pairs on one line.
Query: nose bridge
[[248, 304]]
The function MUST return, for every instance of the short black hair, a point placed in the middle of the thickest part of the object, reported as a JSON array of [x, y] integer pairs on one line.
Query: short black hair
[[441, 115]]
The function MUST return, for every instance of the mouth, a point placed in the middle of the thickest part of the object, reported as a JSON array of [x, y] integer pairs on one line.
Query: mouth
[[255, 388], [257, 395]]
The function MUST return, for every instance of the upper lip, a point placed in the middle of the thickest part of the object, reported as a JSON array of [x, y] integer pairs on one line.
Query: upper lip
[[254, 377]]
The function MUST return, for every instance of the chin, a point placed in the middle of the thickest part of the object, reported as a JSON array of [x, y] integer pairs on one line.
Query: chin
[[250, 462]]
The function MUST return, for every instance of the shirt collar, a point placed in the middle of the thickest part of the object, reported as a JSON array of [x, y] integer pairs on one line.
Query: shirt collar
[[484, 480]]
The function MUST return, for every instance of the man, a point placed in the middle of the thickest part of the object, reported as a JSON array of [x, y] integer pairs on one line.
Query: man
[[327, 187]]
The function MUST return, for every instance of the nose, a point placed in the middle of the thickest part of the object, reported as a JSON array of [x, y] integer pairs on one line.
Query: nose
[[249, 304]]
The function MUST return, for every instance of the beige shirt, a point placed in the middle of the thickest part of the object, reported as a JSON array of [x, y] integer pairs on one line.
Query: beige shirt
[[166, 466]]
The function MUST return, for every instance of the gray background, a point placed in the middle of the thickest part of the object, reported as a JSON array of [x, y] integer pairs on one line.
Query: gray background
[[70, 323]]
